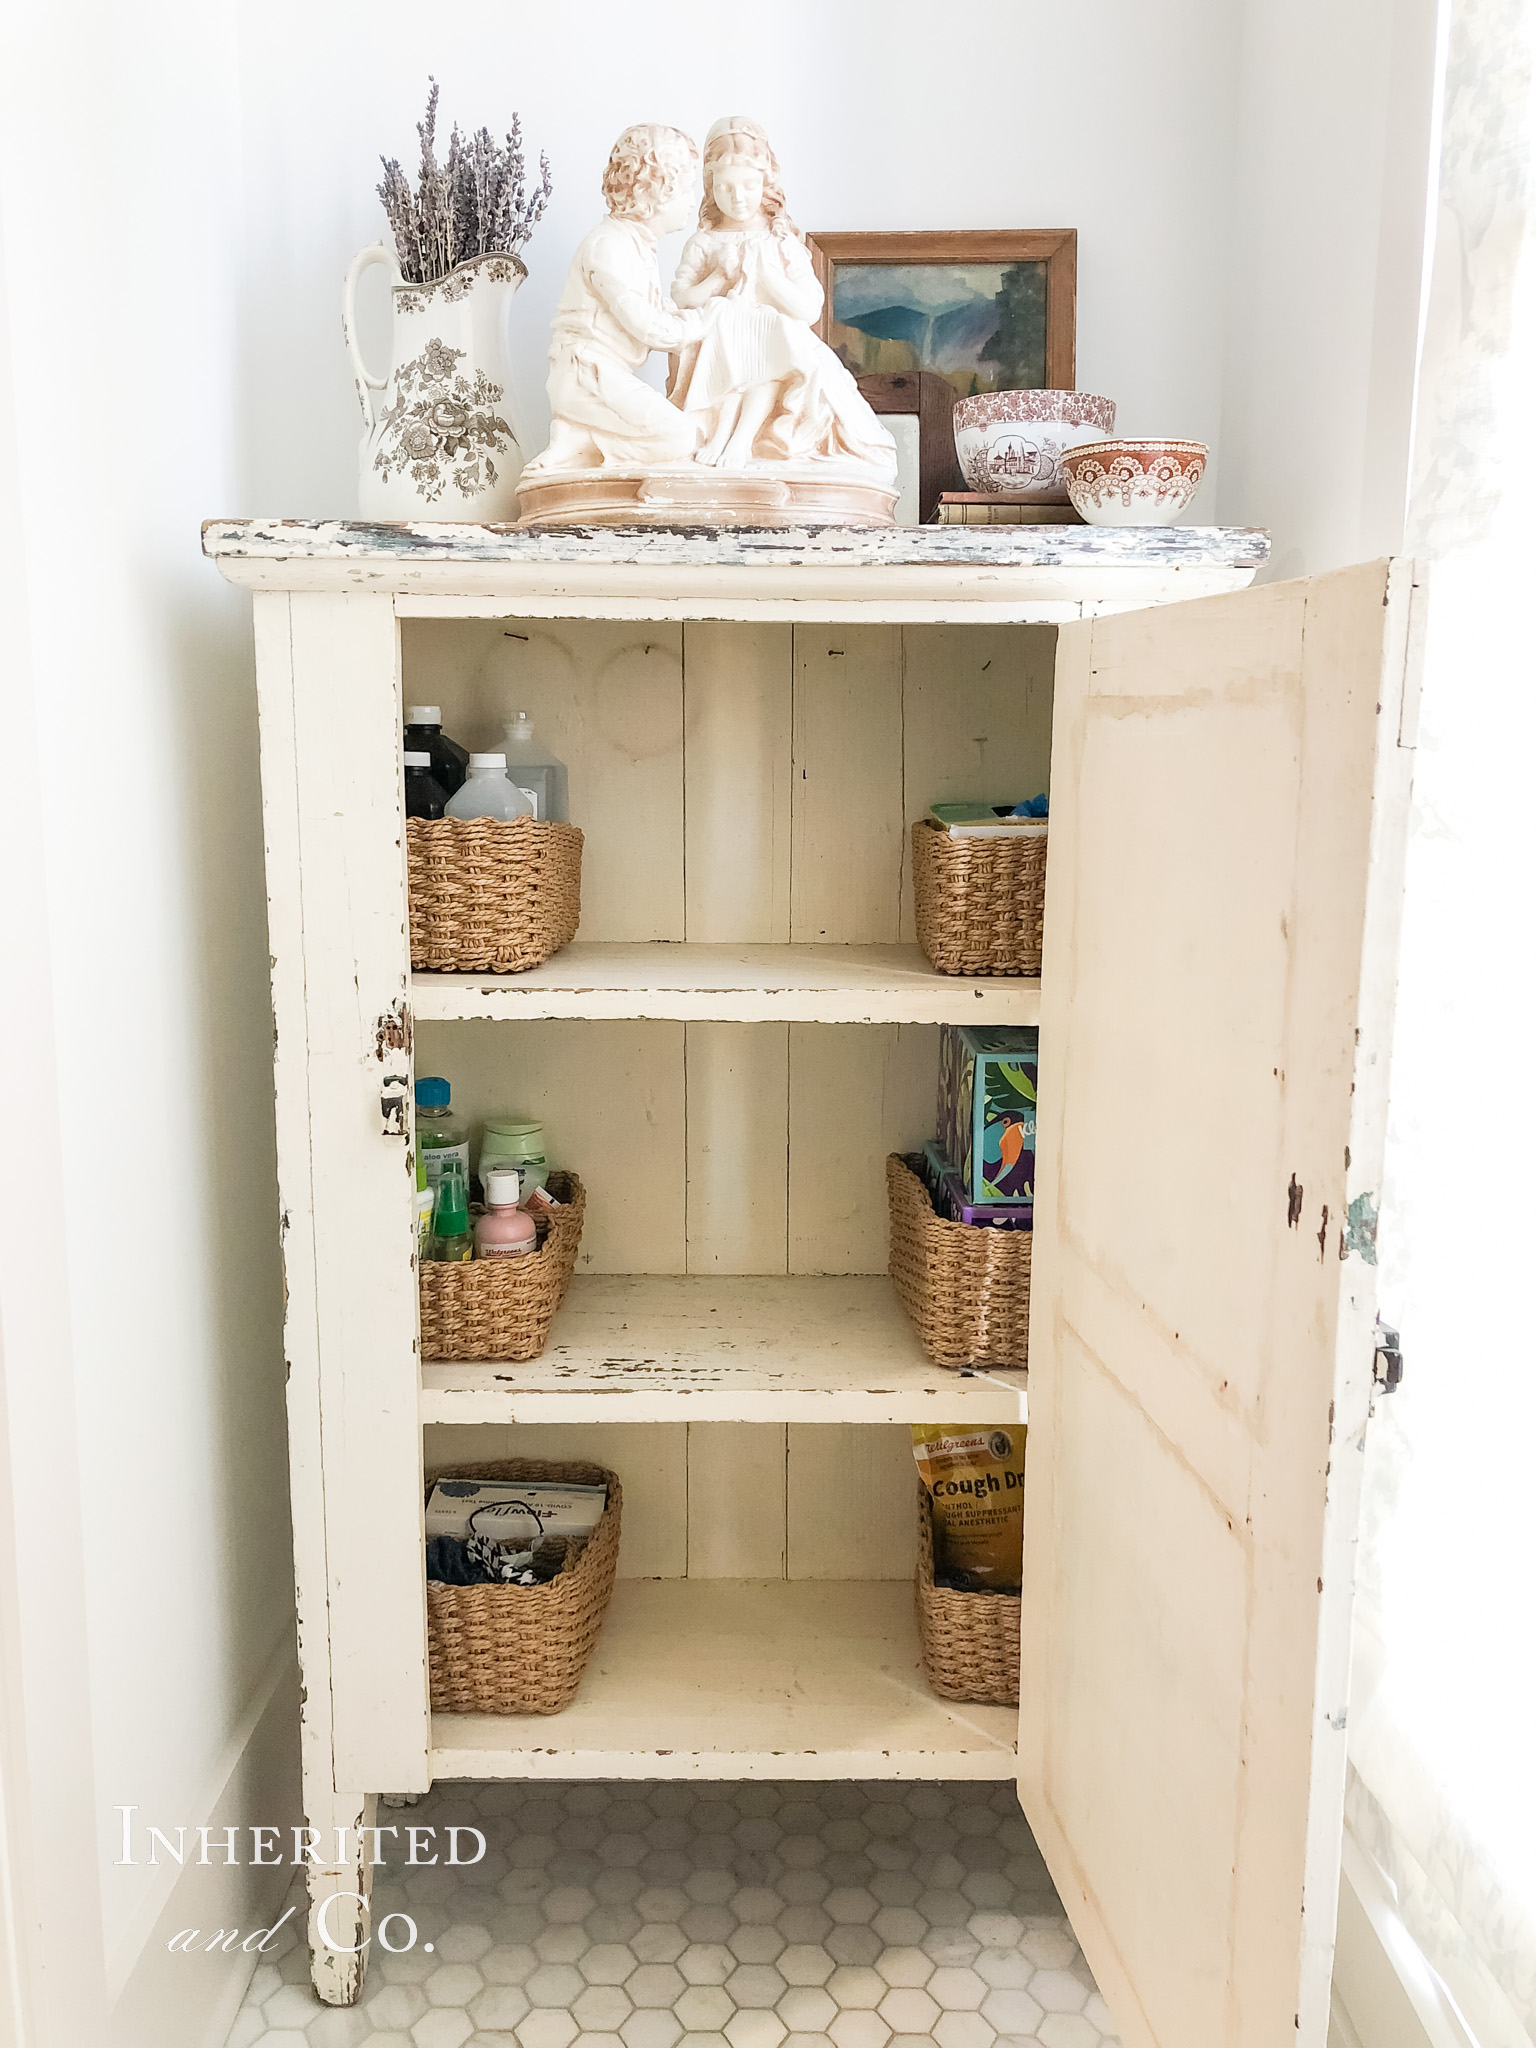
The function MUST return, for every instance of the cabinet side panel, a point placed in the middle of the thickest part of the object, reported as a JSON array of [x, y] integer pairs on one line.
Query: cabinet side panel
[[976, 723], [856, 1092], [290, 1059], [845, 878], [738, 688], [346, 766]]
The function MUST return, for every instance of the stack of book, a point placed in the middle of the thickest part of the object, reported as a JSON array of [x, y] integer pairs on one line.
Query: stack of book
[[998, 508]]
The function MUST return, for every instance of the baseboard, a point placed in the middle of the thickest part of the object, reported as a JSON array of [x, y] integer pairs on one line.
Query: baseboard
[[1385, 1995], [180, 2000]]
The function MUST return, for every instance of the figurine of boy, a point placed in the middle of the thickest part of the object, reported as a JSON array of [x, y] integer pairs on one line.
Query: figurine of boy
[[613, 313]]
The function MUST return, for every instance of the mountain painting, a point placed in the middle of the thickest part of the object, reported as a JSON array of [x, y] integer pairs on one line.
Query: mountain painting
[[981, 325]]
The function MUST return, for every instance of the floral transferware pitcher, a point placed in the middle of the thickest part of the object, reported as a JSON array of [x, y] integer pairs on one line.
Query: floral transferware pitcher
[[440, 443]]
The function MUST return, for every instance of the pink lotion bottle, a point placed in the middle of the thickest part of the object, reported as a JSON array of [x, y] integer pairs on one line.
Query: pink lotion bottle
[[504, 1231]]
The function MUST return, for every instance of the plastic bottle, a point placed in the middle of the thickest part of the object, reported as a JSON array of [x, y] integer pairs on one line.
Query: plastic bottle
[[424, 735], [441, 1140], [515, 1141], [537, 768], [424, 1207], [424, 794], [504, 1231], [488, 794], [453, 1242]]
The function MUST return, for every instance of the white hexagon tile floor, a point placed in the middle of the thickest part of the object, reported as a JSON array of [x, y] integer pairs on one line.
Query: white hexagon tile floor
[[737, 1915]]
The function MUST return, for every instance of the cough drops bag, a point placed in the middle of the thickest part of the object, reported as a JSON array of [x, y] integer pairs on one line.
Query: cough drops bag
[[974, 1480]]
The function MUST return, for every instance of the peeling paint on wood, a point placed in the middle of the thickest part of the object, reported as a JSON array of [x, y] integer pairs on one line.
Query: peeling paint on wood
[[1360, 1228], [1293, 1195], [695, 546], [1001, 574], [392, 1048]]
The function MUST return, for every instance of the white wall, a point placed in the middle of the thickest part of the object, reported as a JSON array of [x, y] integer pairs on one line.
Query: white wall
[[1443, 1787], [1330, 176], [883, 116], [146, 1482]]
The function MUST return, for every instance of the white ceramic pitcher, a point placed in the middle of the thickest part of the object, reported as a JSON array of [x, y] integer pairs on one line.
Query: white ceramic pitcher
[[439, 436]]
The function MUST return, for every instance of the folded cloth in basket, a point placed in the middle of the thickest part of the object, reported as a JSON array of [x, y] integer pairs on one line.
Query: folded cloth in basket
[[478, 1561]]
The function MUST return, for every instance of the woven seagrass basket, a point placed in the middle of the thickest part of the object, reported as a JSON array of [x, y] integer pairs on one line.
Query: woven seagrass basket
[[980, 903], [489, 896], [523, 1649], [502, 1308], [966, 1288], [970, 1641]]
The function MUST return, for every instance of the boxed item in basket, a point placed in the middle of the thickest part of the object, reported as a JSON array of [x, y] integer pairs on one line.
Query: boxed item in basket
[[974, 1479], [987, 1109], [514, 1511], [950, 1199]]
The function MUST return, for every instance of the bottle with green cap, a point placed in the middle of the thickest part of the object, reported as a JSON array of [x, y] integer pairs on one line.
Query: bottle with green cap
[[453, 1242], [441, 1140]]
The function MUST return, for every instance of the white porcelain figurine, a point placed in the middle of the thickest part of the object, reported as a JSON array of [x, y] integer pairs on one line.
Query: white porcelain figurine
[[613, 313], [768, 385], [761, 425]]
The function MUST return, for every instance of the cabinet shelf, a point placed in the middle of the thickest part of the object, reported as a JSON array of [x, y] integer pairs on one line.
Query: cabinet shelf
[[748, 1348], [732, 985], [744, 1678]]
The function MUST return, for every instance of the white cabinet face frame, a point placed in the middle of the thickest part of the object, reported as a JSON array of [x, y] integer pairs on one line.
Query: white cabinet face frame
[[1229, 790]]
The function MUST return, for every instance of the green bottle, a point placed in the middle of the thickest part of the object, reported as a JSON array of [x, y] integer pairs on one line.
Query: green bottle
[[453, 1242], [442, 1143]]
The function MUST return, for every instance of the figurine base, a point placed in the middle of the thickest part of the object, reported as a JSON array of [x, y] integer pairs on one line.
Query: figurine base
[[689, 494]]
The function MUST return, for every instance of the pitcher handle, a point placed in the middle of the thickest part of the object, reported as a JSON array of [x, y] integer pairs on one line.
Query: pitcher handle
[[362, 376]]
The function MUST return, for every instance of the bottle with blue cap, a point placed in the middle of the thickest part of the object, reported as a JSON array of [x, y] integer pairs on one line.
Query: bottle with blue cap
[[441, 1140]]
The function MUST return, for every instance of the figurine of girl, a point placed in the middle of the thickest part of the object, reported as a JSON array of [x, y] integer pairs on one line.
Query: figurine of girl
[[767, 385]]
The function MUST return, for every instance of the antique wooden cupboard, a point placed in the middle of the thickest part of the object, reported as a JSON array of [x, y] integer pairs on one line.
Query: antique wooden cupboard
[[741, 1032]]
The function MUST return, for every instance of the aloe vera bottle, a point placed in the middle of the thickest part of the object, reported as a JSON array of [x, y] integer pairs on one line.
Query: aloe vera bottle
[[441, 1140]]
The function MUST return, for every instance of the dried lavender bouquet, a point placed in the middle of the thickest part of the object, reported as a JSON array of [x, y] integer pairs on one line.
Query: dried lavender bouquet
[[475, 204]]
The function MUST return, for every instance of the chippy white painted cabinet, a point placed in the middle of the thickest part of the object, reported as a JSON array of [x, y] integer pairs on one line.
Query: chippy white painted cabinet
[[741, 1032]]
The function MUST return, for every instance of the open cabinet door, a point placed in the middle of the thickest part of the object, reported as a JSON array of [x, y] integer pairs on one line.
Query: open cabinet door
[[1229, 807]]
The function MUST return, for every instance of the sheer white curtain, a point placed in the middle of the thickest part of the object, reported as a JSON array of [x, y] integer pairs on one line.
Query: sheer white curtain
[[1443, 1726]]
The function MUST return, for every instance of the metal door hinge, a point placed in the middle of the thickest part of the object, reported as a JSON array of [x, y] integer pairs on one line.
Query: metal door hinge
[[1387, 1367]]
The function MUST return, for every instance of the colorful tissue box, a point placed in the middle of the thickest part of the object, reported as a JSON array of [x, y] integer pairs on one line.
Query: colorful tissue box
[[982, 1215], [950, 1199], [932, 1168], [987, 1109]]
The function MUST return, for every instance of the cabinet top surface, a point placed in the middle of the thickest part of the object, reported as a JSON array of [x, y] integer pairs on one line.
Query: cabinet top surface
[[1033, 572]]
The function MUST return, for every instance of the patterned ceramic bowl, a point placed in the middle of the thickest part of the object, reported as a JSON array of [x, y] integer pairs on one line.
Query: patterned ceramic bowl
[[1013, 441], [1134, 483]]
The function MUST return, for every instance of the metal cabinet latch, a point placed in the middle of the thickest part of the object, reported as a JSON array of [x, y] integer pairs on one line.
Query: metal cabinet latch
[[1387, 1367], [393, 1097], [392, 1049]]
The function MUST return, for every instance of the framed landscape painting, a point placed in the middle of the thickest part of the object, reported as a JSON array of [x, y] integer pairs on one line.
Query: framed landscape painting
[[990, 309]]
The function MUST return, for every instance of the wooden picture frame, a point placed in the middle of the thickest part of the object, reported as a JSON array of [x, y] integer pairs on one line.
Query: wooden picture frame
[[932, 398], [1055, 248]]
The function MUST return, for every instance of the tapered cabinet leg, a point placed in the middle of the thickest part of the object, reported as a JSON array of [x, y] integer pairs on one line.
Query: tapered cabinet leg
[[340, 1892]]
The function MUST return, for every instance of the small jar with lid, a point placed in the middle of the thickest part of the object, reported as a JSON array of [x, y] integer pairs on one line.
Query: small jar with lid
[[514, 1141], [504, 1231]]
